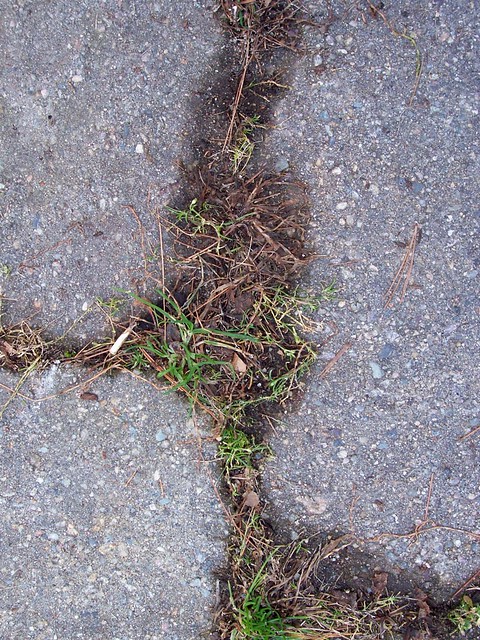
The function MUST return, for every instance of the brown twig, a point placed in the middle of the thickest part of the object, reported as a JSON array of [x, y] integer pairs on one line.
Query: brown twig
[[404, 272], [238, 95], [376, 11], [39, 254], [466, 584], [470, 433], [329, 366], [132, 476]]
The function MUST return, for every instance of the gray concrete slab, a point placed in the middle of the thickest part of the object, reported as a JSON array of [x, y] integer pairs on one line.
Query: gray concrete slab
[[95, 113], [361, 449], [110, 524]]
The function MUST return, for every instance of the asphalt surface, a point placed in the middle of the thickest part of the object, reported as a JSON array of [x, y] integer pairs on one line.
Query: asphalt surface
[[111, 526], [394, 412], [95, 114]]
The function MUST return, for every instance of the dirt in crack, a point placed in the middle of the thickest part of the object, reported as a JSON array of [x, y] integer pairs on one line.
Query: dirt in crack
[[229, 333]]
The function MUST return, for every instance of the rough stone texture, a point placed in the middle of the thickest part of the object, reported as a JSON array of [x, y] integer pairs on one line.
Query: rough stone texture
[[110, 524], [96, 106], [365, 442], [95, 112]]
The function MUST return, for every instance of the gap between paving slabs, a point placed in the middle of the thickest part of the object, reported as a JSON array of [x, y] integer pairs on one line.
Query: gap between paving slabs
[[229, 334]]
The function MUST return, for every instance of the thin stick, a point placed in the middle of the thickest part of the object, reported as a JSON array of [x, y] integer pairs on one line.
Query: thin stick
[[470, 433], [466, 584], [429, 497], [404, 272], [19, 385], [238, 96], [132, 476], [142, 235], [418, 54], [329, 366]]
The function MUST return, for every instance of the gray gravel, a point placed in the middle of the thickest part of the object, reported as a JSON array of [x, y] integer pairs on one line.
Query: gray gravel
[[110, 524], [95, 113], [360, 450]]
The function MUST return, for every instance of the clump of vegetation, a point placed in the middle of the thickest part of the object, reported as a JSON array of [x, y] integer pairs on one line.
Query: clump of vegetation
[[23, 347], [242, 149], [466, 616]]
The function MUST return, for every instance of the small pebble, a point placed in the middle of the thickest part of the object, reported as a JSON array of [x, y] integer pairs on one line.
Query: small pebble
[[377, 372], [281, 164], [139, 148], [386, 351], [341, 206]]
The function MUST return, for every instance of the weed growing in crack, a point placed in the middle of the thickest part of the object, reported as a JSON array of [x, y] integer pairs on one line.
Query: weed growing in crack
[[110, 306], [23, 347], [465, 617], [243, 148], [239, 451]]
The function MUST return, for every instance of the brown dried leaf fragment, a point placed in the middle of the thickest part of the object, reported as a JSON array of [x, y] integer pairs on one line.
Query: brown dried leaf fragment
[[379, 583], [88, 395], [252, 499]]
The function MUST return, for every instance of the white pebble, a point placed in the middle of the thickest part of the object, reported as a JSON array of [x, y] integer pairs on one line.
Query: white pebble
[[139, 148], [341, 206]]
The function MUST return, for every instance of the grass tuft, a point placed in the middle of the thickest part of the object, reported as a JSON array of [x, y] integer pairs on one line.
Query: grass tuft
[[465, 617], [23, 347]]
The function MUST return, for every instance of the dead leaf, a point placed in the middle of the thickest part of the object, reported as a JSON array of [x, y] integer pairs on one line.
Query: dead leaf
[[87, 395], [379, 582], [238, 364], [423, 606], [251, 499], [7, 348]]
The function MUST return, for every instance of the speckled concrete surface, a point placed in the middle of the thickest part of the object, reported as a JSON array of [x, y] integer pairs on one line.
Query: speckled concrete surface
[[110, 525], [95, 110], [95, 113], [392, 415]]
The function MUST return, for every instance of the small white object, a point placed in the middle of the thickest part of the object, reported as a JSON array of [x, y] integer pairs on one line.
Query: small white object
[[116, 346]]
